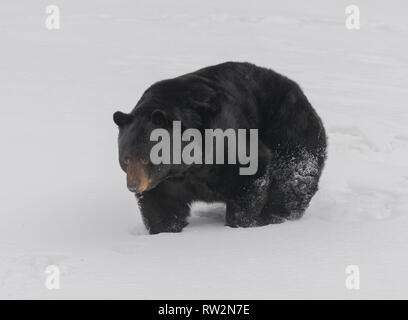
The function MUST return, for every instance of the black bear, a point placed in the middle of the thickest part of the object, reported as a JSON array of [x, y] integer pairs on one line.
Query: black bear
[[291, 148]]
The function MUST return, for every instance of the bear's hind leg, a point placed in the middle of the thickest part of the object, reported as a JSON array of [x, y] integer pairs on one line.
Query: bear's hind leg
[[242, 215], [294, 183], [244, 209], [275, 209]]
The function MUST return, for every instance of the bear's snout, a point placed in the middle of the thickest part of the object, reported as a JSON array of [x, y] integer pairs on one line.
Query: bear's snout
[[138, 179]]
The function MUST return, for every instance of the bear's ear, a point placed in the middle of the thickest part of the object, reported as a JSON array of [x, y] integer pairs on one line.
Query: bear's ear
[[159, 118], [122, 119]]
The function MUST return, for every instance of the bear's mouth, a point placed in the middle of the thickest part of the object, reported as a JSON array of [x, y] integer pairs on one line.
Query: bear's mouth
[[138, 179], [155, 184], [137, 189]]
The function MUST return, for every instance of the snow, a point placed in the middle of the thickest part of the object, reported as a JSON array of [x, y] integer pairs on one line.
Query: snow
[[63, 196]]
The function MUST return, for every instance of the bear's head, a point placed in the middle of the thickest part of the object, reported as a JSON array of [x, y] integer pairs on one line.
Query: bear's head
[[134, 149], [163, 103]]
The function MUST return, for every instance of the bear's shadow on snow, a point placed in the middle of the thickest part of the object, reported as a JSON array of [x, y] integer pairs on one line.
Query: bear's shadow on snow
[[207, 214], [202, 214]]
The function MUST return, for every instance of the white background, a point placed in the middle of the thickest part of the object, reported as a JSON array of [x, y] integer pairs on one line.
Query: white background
[[63, 196]]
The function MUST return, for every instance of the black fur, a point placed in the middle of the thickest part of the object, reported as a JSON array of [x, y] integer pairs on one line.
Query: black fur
[[292, 146]]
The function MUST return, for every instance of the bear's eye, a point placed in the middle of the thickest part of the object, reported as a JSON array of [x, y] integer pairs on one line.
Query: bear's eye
[[144, 161]]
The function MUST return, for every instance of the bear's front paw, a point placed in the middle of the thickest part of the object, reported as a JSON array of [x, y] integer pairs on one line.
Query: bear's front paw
[[174, 227]]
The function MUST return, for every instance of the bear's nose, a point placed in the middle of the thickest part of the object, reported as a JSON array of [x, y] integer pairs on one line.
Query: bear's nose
[[133, 187]]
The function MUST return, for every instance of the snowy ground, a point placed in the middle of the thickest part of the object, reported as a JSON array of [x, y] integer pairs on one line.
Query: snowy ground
[[63, 196]]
